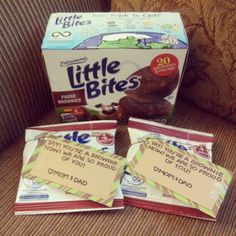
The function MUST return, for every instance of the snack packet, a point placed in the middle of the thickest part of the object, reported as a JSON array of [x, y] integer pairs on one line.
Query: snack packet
[[137, 192], [34, 198]]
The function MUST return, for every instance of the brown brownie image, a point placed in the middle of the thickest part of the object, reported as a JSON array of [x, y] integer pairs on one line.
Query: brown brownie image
[[153, 85], [129, 106]]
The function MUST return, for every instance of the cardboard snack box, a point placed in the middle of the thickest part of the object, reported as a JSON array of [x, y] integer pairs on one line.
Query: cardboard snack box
[[114, 65]]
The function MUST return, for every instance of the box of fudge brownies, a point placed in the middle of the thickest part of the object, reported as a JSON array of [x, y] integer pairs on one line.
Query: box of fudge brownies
[[115, 65]]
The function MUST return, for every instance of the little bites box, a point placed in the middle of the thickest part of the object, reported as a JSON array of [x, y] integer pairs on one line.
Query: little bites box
[[114, 65]]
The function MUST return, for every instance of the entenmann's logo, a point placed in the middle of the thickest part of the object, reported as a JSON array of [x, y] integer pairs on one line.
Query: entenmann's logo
[[99, 78]]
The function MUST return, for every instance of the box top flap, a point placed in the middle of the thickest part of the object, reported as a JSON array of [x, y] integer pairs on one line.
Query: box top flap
[[142, 30]]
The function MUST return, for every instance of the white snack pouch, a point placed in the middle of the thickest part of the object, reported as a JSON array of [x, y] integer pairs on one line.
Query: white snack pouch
[[34, 198], [140, 194]]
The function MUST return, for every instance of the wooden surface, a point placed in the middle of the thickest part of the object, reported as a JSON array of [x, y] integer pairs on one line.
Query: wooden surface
[[131, 221]]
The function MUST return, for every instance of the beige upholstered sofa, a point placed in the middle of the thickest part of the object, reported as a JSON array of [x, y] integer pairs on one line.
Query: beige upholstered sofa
[[207, 103]]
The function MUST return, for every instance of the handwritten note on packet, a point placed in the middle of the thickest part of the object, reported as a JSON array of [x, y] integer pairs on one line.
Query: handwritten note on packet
[[192, 180], [75, 168]]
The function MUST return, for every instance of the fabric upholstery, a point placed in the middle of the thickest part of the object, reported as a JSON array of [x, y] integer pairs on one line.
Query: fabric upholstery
[[24, 88], [210, 78], [131, 221], [25, 98]]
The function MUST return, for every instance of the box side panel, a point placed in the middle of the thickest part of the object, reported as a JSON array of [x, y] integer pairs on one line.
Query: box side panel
[[115, 30]]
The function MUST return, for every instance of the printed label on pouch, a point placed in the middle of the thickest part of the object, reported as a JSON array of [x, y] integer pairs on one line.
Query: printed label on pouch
[[75, 168], [181, 174]]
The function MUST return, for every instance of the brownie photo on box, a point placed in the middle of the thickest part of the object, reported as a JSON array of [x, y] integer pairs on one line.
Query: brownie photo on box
[[148, 100]]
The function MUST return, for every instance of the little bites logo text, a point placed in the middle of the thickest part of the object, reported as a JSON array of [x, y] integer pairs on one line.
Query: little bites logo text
[[99, 78], [71, 21]]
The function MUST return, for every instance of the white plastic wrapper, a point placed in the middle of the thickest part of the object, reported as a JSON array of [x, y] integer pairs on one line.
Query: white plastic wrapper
[[140, 194], [34, 198]]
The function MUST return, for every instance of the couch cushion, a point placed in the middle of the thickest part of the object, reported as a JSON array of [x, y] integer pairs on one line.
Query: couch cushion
[[24, 89], [210, 78], [131, 221]]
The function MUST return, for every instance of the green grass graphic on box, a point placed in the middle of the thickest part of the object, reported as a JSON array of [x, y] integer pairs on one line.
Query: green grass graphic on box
[[132, 42]]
